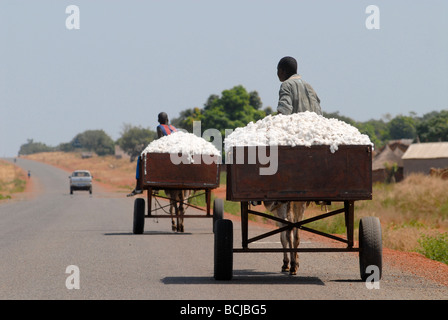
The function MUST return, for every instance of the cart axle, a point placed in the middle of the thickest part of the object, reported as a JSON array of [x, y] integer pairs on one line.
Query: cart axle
[[267, 250], [177, 216]]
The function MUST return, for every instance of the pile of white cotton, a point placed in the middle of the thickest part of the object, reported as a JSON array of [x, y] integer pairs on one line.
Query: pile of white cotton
[[182, 142], [298, 129]]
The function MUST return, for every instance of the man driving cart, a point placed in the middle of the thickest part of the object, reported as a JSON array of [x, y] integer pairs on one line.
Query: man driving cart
[[163, 129]]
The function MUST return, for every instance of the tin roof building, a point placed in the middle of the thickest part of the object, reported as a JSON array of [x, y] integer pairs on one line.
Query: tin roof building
[[421, 157]]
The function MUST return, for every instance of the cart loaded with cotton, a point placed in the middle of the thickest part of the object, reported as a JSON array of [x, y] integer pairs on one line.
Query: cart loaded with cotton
[[299, 157], [177, 162]]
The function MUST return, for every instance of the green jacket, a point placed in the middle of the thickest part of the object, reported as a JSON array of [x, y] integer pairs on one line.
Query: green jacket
[[297, 95]]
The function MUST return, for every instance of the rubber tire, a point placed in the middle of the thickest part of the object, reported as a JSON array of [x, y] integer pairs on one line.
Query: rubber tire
[[139, 216], [218, 211], [223, 255], [90, 190], [370, 245], [71, 190]]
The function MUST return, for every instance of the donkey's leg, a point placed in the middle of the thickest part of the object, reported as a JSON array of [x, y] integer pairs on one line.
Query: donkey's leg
[[298, 209], [294, 255], [173, 207], [284, 241], [180, 225]]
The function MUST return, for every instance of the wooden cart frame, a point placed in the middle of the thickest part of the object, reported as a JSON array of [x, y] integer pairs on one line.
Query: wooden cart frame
[[304, 174], [159, 172]]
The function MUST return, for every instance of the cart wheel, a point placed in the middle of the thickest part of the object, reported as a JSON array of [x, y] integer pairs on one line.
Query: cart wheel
[[223, 249], [139, 216], [218, 211], [370, 245]]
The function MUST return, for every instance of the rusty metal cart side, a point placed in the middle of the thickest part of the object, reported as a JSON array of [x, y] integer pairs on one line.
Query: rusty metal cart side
[[158, 172], [303, 174]]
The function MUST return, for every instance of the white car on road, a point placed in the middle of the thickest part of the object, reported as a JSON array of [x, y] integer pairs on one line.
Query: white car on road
[[81, 180]]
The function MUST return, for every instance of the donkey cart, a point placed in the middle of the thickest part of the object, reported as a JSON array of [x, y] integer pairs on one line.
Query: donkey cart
[[310, 174], [159, 172]]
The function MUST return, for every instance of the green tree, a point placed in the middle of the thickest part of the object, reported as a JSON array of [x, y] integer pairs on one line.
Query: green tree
[[34, 147], [402, 127], [381, 131], [336, 115], [134, 139], [433, 127], [377, 130], [255, 100], [268, 110], [91, 140], [234, 108], [186, 118], [369, 129]]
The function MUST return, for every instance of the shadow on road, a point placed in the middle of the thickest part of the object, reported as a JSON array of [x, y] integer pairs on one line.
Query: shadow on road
[[248, 277], [148, 233], [347, 280]]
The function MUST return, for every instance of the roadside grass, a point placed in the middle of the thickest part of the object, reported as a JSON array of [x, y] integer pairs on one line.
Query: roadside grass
[[12, 180], [413, 213], [434, 247], [331, 225]]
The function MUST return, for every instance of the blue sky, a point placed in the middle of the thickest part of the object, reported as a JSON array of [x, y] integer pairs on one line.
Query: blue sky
[[132, 59]]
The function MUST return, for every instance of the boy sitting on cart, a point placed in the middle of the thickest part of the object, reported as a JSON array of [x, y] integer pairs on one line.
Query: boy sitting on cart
[[163, 129]]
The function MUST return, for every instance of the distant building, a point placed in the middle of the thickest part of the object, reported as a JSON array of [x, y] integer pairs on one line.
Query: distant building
[[421, 157], [387, 156], [120, 154]]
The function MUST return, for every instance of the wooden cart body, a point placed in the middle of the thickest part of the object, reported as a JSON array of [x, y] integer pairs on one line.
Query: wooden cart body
[[158, 171], [303, 174]]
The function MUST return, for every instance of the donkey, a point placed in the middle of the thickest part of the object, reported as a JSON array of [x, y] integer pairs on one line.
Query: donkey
[[293, 212], [177, 198]]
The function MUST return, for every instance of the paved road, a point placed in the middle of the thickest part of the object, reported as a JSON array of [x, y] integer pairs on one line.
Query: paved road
[[42, 236]]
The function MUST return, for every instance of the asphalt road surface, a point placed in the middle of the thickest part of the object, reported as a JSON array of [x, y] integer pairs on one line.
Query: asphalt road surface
[[41, 236]]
